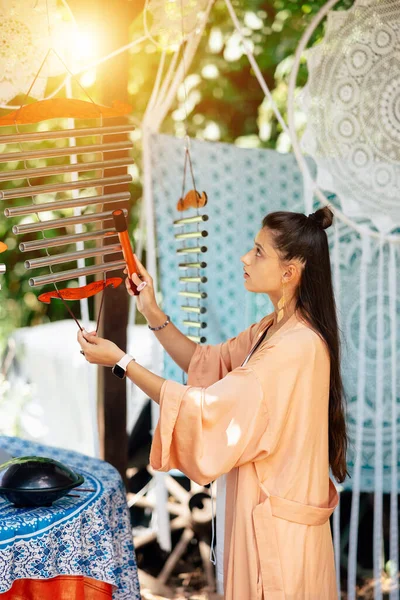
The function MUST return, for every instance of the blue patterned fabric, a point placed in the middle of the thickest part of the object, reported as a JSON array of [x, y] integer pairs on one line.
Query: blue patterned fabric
[[243, 186], [90, 535]]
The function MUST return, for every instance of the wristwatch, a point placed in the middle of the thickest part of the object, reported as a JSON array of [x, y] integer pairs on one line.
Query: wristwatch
[[119, 370]]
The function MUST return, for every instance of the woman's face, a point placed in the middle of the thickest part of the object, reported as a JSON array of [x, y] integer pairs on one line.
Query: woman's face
[[263, 270]]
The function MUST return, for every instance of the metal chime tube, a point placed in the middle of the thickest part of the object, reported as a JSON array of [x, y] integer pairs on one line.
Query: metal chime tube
[[58, 259], [73, 273], [62, 169], [67, 151], [200, 310], [39, 136], [200, 325], [197, 339], [3, 268], [67, 239], [186, 220], [193, 279], [32, 209], [195, 250], [190, 235], [193, 294], [65, 186], [193, 265], [55, 223]]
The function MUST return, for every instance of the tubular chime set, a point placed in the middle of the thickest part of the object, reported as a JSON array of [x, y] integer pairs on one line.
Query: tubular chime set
[[81, 199], [191, 236]]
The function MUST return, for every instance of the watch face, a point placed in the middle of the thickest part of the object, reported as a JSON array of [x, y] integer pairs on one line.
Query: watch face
[[118, 371]]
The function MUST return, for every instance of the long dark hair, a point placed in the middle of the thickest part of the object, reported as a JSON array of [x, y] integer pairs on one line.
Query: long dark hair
[[298, 236]]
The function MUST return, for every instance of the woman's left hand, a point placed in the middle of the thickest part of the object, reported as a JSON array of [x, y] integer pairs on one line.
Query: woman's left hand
[[99, 351]]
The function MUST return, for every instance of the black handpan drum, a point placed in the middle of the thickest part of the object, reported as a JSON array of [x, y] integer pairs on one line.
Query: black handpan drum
[[30, 481]]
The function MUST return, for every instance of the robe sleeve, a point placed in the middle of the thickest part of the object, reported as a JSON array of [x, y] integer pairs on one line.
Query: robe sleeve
[[211, 363], [205, 432]]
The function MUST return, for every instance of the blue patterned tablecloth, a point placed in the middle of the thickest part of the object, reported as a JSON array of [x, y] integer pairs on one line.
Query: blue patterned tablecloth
[[90, 535]]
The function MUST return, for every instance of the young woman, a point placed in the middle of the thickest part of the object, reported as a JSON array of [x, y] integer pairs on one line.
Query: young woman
[[266, 408]]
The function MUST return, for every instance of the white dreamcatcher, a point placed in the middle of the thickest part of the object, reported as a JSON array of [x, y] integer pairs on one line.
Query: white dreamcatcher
[[352, 103], [28, 28]]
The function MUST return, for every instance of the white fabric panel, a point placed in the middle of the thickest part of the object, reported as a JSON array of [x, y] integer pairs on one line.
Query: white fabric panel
[[336, 542], [308, 191], [64, 385], [336, 284], [365, 258], [378, 505], [221, 498], [161, 515], [394, 522]]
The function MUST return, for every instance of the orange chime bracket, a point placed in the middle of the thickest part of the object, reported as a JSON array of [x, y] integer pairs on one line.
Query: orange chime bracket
[[121, 227], [193, 199], [62, 108], [80, 293]]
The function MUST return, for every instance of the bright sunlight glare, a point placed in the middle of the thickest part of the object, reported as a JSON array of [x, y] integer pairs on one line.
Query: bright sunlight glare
[[83, 48]]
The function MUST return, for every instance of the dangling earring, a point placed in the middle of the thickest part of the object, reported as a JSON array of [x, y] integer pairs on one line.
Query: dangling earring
[[281, 305]]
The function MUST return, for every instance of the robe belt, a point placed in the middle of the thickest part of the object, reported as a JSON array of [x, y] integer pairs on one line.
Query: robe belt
[[267, 544]]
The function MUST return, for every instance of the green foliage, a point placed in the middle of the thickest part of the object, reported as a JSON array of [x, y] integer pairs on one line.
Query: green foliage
[[221, 95]]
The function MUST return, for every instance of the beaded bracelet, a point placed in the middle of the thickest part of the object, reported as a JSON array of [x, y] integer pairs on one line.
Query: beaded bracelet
[[161, 326]]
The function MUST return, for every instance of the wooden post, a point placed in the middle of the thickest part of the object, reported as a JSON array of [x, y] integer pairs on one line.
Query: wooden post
[[111, 22]]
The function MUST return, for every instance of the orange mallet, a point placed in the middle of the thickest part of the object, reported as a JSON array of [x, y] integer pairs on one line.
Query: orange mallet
[[122, 229]]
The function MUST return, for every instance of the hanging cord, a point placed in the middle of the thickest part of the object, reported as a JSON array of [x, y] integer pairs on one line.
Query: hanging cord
[[184, 69], [187, 139], [102, 242], [101, 304], [188, 158]]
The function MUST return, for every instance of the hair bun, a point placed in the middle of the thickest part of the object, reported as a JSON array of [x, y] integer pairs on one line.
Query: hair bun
[[323, 217]]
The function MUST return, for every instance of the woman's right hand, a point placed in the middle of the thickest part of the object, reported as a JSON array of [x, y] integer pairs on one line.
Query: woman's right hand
[[146, 300]]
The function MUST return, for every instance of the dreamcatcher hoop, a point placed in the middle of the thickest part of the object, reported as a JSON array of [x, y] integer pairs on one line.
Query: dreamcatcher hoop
[[361, 229]]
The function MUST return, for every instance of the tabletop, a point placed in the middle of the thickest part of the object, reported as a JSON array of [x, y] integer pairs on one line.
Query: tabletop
[[89, 535]]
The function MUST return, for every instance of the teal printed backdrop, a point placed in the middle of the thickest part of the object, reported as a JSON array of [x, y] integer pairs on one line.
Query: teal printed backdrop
[[242, 186]]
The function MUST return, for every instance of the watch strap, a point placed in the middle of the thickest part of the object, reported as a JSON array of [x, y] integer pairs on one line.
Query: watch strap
[[125, 360]]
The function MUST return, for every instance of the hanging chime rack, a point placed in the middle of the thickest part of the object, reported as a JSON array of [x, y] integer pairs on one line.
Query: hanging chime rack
[[74, 185]]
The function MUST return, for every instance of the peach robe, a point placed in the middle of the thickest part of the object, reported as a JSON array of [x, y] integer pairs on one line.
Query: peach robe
[[266, 425]]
